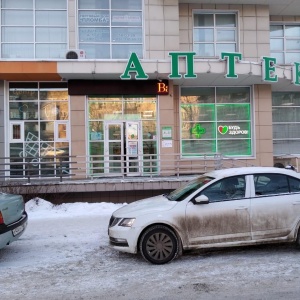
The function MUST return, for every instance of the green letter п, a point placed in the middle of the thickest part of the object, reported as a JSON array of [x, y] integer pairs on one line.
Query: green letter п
[[134, 65], [296, 73], [175, 65], [268, 67], [231, 63]]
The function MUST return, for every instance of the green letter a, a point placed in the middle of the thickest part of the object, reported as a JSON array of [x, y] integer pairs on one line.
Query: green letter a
[[134, 65]]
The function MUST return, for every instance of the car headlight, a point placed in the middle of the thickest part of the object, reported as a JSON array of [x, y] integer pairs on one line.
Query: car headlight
[[127, 222]]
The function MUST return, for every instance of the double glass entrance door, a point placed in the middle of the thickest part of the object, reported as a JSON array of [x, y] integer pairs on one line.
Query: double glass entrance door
[[123, 147]]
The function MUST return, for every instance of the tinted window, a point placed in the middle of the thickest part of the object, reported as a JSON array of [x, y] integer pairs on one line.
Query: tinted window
[[294, 185], [226, 189], [266, 184]]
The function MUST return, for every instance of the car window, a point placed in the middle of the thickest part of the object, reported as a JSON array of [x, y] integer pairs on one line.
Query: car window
[[231, 188], [294, 184], [187, 189], [267, 184]]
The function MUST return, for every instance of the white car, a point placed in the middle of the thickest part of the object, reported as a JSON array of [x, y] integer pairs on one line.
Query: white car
[[229, 207]]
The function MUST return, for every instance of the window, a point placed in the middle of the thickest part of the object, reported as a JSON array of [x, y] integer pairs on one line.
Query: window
[[214, 33], [286, 122], [266, 184], [189, 188], [232, 188], [16, 132], [294, 185], [215, 120], [110, 28], [33, 29], [285, 43], [39, 121]]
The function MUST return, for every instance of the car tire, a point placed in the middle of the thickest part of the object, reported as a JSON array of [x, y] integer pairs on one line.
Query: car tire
[[159, 245], [298, 239]]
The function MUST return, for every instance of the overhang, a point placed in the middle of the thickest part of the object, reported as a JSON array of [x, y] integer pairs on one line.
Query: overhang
[[208, 72], [276, 7]]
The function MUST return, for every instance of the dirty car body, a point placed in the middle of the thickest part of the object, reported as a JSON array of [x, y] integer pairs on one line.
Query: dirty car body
[[222, 208], [13, 218]]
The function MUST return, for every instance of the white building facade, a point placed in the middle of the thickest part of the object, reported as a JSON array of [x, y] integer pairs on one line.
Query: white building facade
[[112, 83]]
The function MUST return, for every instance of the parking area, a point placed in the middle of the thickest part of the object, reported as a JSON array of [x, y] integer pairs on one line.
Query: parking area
[[64, 254]]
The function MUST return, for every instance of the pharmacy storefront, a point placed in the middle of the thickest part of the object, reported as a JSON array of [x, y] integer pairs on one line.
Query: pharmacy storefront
[[129, 124], [122, 124], [216, 120]]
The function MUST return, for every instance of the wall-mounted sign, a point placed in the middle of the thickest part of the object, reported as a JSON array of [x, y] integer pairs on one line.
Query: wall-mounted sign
[[166, 132], [232, 130], [198, 131], [167, 143], [268, 67], [119, 87]]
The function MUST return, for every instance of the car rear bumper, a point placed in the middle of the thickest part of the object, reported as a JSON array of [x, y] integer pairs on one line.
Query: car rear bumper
[[10, 233], [5, 228]]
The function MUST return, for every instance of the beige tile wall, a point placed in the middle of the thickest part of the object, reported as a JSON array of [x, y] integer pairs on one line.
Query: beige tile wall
[[254, 22], [72, 24], [263, 124], [161, 28], [78, 134]]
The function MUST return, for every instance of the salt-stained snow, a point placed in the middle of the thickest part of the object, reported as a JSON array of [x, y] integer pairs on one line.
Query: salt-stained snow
[[64, 254]]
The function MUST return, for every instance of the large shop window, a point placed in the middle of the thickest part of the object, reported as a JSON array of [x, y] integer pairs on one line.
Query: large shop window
[[214, 33], [39, 126], [286, 122], [216, 121], [285, 43], [110, 28], [33, 28], [122, 134]]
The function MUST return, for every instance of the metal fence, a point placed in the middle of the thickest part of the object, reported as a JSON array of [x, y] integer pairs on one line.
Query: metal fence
[[99, 166]]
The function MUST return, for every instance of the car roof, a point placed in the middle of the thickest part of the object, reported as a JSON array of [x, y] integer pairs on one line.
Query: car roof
[[250, 170]]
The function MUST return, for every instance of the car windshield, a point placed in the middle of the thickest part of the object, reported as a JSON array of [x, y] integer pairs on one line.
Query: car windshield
[[182, 192]]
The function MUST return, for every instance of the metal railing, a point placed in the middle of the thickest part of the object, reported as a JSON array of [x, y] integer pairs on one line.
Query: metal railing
[[35, 168], [101, 166]]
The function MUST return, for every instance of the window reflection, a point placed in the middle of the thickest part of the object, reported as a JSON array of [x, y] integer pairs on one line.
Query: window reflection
[[39, 125]]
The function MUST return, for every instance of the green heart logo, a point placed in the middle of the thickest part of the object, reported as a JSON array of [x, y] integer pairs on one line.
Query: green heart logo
[[223, 129]]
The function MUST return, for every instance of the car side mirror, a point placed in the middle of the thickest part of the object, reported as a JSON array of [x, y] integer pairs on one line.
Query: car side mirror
[[202, 199]]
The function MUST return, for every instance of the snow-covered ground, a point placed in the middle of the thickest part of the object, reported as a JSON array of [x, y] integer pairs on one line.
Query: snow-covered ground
[[64, 254]]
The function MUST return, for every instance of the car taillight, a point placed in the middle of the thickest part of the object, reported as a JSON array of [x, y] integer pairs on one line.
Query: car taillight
[[1, 218]]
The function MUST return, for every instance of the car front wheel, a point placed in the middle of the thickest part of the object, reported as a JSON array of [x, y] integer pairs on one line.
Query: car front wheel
[[298, 239], [159, 245]]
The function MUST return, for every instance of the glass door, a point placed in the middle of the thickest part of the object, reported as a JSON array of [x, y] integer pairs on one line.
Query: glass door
[[114, 147], [133, 148], [123, 148]]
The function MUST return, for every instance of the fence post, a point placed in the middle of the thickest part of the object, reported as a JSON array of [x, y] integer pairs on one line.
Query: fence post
[[28, 169], [60, 169]]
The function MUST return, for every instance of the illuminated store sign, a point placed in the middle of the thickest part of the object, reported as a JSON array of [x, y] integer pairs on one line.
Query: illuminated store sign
[[232, 130], [268, 67]]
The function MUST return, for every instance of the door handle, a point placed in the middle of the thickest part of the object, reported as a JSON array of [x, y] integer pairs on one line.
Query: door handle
[[241, 208], [296, 203]]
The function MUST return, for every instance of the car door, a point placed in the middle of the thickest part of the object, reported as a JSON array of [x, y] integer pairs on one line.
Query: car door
[[224, 219], [275, 205]]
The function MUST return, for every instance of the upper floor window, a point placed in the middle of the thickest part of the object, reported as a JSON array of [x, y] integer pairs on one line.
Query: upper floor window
[[33, 29], [110, 29], [285, 43], [286, 122], [214, 33]]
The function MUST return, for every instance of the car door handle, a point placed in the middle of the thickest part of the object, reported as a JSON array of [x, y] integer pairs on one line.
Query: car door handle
[[241, 208], [296, 203]]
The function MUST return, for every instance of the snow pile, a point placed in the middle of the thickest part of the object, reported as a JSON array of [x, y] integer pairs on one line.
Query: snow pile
[[38, 208]]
